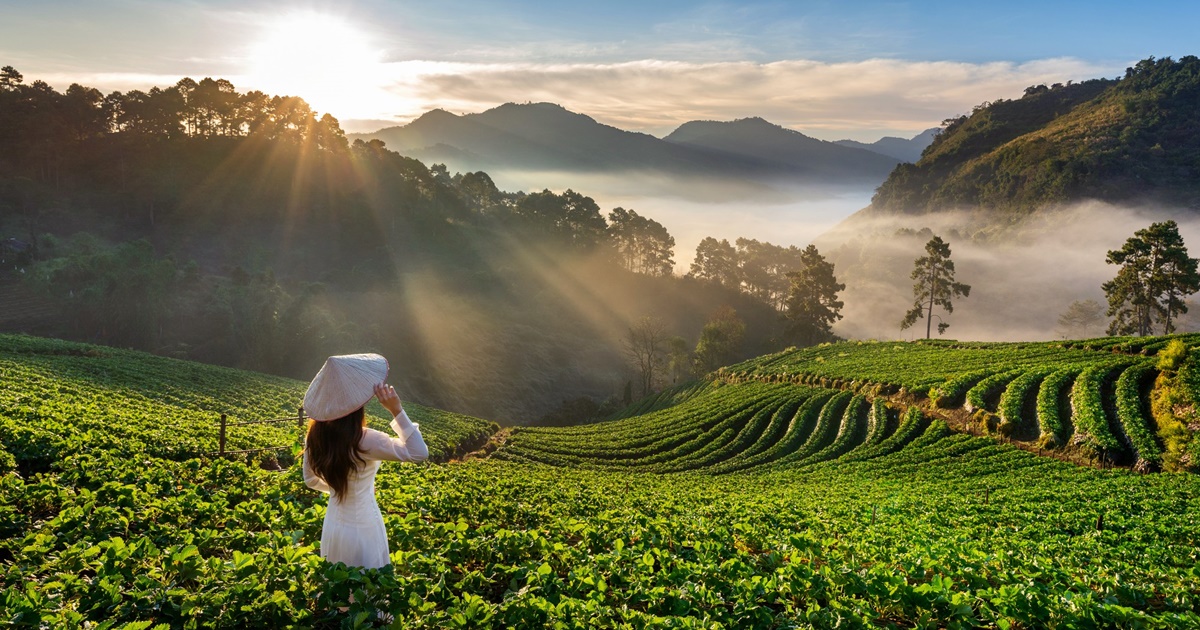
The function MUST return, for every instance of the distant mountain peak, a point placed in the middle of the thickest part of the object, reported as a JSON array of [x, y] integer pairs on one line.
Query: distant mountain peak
[[903, 149], [548, 136]]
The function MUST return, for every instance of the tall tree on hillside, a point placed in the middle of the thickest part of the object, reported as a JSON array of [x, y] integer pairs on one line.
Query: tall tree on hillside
[[1156, 275], [719, 341], [716, 261], [642, 244], [935, 286], [645, 345], [679, 359], [1080, 319], [762, 269], [571, 217], [812, 304]]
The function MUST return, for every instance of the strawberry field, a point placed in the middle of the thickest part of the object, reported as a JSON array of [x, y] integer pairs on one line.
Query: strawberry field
[[816, 488]]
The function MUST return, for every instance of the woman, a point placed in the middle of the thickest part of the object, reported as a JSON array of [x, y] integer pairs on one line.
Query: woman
[[342, 455]]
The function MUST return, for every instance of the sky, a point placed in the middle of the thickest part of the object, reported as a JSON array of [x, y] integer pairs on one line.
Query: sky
[[830, 69]]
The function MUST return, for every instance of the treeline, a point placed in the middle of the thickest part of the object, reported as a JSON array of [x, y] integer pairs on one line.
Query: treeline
[[756, 267], [38, 116]]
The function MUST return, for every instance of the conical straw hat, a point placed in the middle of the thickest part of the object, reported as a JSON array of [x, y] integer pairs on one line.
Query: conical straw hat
[[344, 384]]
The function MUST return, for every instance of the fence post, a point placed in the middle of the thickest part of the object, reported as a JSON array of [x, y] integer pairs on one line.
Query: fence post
[[300, 418], [221, 440]]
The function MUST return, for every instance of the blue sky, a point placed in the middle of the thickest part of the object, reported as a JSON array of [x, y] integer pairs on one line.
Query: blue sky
[[831, 69]]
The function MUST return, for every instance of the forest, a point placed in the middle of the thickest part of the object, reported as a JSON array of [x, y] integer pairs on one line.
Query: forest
[[243, 229]]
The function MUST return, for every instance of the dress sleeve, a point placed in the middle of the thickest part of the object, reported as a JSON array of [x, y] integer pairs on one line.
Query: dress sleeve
[[311, 479], [408, 446]]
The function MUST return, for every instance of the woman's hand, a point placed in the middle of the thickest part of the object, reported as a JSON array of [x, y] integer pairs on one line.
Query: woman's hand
[[388, 398]]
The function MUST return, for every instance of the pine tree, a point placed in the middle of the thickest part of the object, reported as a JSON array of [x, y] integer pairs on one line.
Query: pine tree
[[1156, 275], [812, 304], [935, 286]]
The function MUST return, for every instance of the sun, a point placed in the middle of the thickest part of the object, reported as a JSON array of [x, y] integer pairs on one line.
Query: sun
[[321, 58]]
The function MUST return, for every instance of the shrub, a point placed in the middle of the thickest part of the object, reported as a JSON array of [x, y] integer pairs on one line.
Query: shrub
[[1172, 357]]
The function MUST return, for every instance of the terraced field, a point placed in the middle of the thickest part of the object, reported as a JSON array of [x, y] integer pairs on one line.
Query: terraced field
[[730, 428], [818, 488], [1091, 396]]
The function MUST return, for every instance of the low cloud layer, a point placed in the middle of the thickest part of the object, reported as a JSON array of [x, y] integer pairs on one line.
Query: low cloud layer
[[1020, 282]]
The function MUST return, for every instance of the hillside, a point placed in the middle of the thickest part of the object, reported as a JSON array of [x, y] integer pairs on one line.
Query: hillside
[[839, 505], [544, 136], [192, 228], [1083, 401], [1131, 139]]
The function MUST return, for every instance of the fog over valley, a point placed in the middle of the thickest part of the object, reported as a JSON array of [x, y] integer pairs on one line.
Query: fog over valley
[[1021, 279]]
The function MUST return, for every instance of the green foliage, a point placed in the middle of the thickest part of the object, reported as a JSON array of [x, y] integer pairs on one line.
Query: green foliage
[[1092, 427], [720, 340], [716, 261], [1113, 140], [1134, 420], [642, 244], [1155, 277], [1013, 400], [59, 397], [1174, 407], [812, 304], [286, 248], [838, 517], [758, 268], [1172, 357]]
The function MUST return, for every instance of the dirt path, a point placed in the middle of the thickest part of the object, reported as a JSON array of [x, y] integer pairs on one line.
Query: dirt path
[[496, 441]]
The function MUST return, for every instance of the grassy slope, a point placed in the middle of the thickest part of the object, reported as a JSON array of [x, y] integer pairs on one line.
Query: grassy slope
[[1100, 139]]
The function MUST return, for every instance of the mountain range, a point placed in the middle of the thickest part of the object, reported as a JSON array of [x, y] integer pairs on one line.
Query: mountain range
[[548, 137], [903, 149]]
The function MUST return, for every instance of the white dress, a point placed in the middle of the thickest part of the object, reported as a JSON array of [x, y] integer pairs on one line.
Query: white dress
[[353, 531]]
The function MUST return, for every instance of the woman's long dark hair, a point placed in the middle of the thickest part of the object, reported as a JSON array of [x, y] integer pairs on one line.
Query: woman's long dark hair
[[333, 450]]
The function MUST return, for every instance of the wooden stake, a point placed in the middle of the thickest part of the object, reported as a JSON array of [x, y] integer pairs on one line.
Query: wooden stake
[[221, 440]]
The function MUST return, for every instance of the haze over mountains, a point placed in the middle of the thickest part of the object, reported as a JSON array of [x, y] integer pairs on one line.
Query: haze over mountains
[[547, 137], [903, 149]]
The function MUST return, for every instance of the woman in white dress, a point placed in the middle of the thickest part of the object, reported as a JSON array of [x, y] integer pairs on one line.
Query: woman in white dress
[[342, 455]]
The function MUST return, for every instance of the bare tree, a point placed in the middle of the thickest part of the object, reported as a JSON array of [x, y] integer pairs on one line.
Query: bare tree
[[646, 347], [1080, 319]]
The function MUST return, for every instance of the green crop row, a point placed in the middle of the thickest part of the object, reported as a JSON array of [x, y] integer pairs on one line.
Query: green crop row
[[832, 513], [1087, 410], [1012, 401], [1134, 420], [978, 395]]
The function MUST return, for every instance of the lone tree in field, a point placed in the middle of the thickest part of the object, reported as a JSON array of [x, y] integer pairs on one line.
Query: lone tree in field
[[812, 304], [646, 345], [935, 286], [1080, 319], [1156, 275]]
